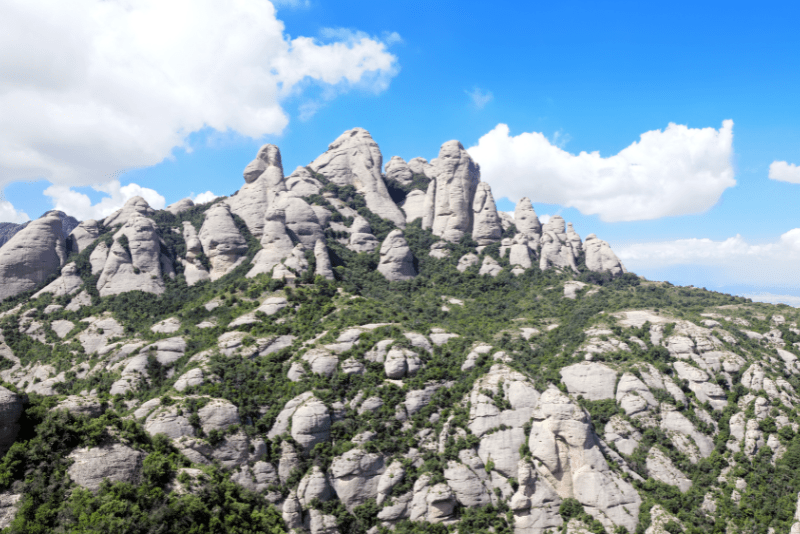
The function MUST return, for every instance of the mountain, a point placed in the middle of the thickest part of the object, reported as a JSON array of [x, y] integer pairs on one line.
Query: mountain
[[356, 348], [8, 230]]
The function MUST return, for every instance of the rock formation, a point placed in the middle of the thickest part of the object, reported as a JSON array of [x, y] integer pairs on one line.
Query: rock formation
[[31, 256], [193, 268], [556, 249], [134, 206], [527, 223], [180, 206], [487, 228], [83, 235], [134, 261], [221, 240], [302, 223], [600, 257], [361, 238], [397, 261], [263, 181], [397, 170], [323, 268], [355, 159], [275, 242], [302, 183], [68, 283]]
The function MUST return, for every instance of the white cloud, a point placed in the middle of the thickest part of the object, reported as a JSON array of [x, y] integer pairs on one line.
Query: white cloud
[[733, 261], [292, 3], [203, 198], [8, 213], [676, 171], [479, 97], [784, 172], [771, 298], [110, 85], [80, 206], [544, 218]]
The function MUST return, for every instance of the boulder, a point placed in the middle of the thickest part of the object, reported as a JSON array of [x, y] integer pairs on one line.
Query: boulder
[[466, 261], [68, 283], [302, 182], [567, 454], [396, 259], [31, 256], [400, 363], [81, 405], [136, 265], [355, 159], [180, 206], [192, 377], [633, 396], [115, 462], [275, 242], [595, 381], [83, 235], [314, 485], [600, 257], [457, 178], [397, 170], [136, 206], [218, 414], [355, 476], [309, 419], [490, 267], [486, 228], [221, 240], [361, 238]]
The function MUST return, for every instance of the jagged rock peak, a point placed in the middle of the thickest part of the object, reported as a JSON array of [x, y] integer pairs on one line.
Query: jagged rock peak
[[487, 228], [275, 242], [457, 178], [83, 235], [268, 157], [397, 261], [180, 206], [355, 159], [134, 206], [135, 262], [600, 257], [30, 257], [397, 169], [221, 240], [421, 166], [525, 219]]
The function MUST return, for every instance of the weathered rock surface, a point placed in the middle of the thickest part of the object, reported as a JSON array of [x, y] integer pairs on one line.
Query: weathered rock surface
[[600, 257], [263, 180], [275, 242], [486, 228], [361, 238], [10, 412], [136, 206], [490, 267], [414, 205], [68, 283], [457, 178], [302, 182], [323, 267], [595, 381], [466, 261], [97, 259], [556, 247], [137, 266], [527, 223], [83, 235], [355, 476], [397, 261], [116, 462], [33, 255], [302, 223], [569, 458], [661, 468], [355, 159], [397, 170], [221, 240], [185, 204]]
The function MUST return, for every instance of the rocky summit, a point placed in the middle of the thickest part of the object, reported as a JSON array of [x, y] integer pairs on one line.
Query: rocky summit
[[359, 348]]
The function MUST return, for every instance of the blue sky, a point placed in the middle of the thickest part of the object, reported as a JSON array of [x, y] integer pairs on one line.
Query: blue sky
[[179, 104]]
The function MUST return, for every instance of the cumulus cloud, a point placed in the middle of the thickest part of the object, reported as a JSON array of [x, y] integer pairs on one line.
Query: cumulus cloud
[[729, 262], [784, 172], [8, 213], [80, 206], [677, 171], [479, 97], [204, 198], [93, 86]]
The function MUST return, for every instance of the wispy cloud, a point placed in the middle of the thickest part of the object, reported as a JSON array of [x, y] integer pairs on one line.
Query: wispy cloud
[[771, 298], [480, 97]]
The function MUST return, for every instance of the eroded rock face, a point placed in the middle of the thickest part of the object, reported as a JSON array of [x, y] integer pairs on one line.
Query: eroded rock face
[[68, 283], [556, 247], [301, 220], [30, 257], [133, 207], [263, 180], [323, 268], [275, 242], [10, 412], [193, 268], [414, 205], [487, 228], [117, 463], [137, 266], [567, 455], [221, 240], [398, 171], [600, 257], [83, 235], [457, 178], [397, 261], [593, 380], [661, 468], [180, 206], [302, 182], [355, 159], [527, 222], [355, 476], [361, 238]]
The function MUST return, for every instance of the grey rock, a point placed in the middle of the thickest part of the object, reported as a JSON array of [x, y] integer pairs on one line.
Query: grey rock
[[519, 254], [84, 235], [289, 461], [31, 256], [661, 468], [68, 283], [414, 205], [400, 363], [600, 257], [678, 428], [275, 242], [311, 424], [486, 228], [595, 381], [167, 326], [574, 240], [136, 206], [398, 171], [263, 181], [301, 220], [466, 261], [361, 238], [221, 240], [457, 178], [10, 412], [622, 434], [659, 518], [556, 248], [490, 267], [81, 405], [469, 485], [355, 476], [527, 222], [97, 259], [396, 259], [62, 327], [257, 478], [421, 166], [194, 270], [323, 268], [355, 159], [116, 463], [165, 420], [9, 504], [192, 377], [218, 414], [180, 206], [633, 395], [303, 183], [314, 485], [137, 266]]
